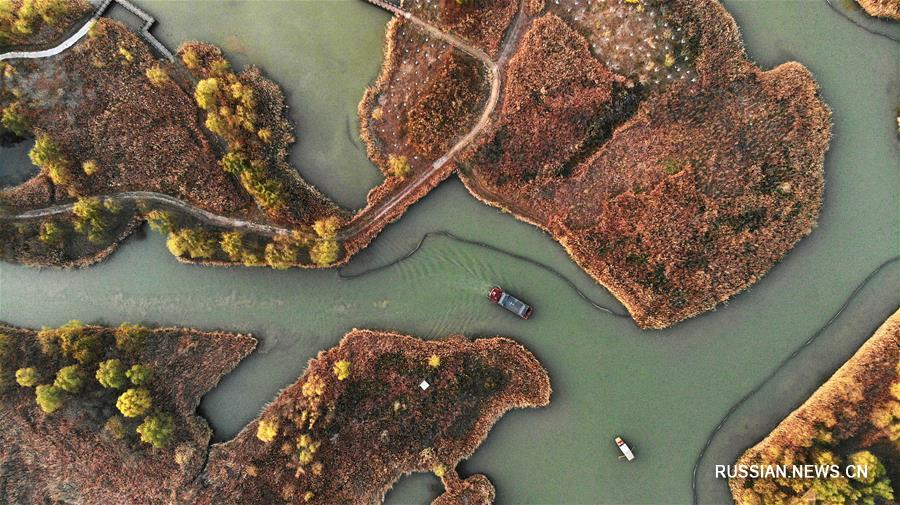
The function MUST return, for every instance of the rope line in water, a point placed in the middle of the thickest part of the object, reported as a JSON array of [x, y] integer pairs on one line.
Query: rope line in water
[[865, 282], [857, 23], [483, 245]]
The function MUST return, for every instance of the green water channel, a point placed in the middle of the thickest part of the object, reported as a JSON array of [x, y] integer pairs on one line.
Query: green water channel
[[664, 391]]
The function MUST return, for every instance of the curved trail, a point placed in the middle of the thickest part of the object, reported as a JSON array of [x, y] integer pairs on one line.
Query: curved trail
[[371, 216], [493, 68], [488, 247], [53, 51], [137, 196], [865, 282]]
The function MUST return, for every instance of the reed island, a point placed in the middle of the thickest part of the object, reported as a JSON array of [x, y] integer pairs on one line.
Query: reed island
[[108, 415], [637, 133], [850, 426]]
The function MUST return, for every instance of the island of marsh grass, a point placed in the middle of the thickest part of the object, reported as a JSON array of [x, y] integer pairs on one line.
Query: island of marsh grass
[[852, 419], [671, 168], [107, 415]]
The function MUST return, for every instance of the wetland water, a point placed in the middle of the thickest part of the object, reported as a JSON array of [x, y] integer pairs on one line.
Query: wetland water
[[663, 391]]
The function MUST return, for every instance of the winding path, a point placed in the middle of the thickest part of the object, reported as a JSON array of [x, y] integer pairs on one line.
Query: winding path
[[360, 225], [367, 217], [141, 196], [53, 51], [65, 44]]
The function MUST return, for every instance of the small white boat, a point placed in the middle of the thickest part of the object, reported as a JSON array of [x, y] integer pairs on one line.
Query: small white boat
[[626, 451]]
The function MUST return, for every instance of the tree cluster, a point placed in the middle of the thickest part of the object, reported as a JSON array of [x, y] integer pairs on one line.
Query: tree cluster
[[92, 217], [230, 107], [47, 155], [102, 359], [863, 488], [13, 119], [19, 19]]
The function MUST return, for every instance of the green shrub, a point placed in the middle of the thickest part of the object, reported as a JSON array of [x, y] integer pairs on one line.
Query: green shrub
[[90, 167], [157, 429], [205, 93], [282, 253], [220, 66], [49, 398], [328, 227], [134, 402], [48, 340], [341, 369], [126, 54], [194, 242], [115, 426], [50, 233], [27, 377], [74, 342], [324, 252], [47, 155], [139, 374], [265, 190], [14, 120], [111, 374], [160, 221], [112, 206], [157, 75], [267, 430], [90, 219], [234, 162], [70, 379], [190, 59], [131, 338], [232, 244], [88, 349], [398, 166]]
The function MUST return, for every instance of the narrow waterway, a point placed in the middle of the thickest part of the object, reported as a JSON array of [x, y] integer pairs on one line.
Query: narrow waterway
[[663, 391]]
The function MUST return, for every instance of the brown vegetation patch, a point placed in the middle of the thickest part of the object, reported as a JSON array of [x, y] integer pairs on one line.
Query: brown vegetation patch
[[409, 75], [474, 490], [32, 24], [480, 22], [674, 196], [851, 418], [68, 455], [98, 105], [358, 419], [556, 109], [425, 98], [446, 106], [881, 8], [107, 415], [266, 140]]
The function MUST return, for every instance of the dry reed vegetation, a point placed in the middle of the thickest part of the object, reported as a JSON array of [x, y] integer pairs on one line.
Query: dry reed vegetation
[[853, 418], [674, 193], [358, 420]]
